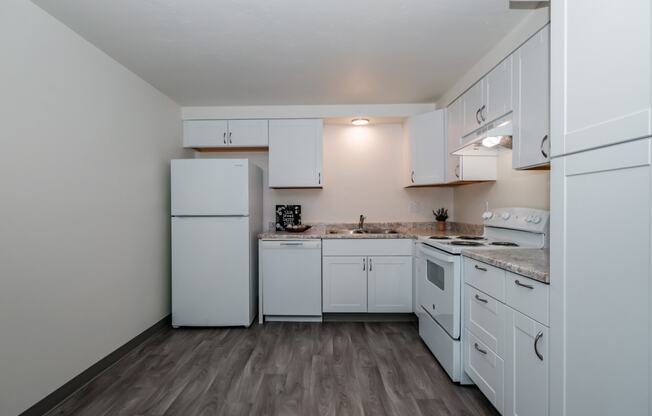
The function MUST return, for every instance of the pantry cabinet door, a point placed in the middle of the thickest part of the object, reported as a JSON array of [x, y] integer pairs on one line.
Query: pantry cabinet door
[[601, 73]]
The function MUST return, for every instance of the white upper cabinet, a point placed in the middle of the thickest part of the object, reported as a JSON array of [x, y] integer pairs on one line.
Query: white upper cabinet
[[427, 148], [224, 133], [296, 153], [497, 91], [490, 98], [454, 126], [205, 133], [248, 133], [473, 101], [602, 75], [531, 137]]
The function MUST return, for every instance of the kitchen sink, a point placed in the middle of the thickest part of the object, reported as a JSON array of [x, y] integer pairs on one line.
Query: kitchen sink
[[364, 231]]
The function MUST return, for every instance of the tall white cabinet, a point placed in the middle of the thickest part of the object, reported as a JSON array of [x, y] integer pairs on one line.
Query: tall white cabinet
[[601, 210], [602, 72]]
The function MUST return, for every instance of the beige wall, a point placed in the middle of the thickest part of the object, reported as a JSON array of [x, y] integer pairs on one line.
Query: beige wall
[[84, 204], [529, 189], [362, 174]]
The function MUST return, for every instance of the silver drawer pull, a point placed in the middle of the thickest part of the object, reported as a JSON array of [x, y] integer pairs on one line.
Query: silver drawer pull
[[480, 299], [433, 306], [518, 283], [536, 345], [480, 350], [480, 268], [291, 244]]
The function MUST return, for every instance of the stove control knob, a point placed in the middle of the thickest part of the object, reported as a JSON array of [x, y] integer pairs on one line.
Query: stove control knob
[[505, 215], [487, 215], [536, 219], [528, 218]]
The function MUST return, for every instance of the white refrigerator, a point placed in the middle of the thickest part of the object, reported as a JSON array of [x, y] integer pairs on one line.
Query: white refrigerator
[[216, 218]]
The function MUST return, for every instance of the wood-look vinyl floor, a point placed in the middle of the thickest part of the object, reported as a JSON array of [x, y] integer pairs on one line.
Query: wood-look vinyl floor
[[336, 368]]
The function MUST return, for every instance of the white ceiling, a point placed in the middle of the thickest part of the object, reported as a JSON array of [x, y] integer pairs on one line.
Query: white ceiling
[[257, 52]]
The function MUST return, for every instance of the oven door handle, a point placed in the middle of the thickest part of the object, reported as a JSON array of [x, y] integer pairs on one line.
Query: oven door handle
[[436, 254]]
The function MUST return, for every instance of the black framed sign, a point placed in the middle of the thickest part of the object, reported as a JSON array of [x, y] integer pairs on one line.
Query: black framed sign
[[287, 215]]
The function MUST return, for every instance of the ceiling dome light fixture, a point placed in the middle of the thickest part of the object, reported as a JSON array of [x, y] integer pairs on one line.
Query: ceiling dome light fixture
[[360, 121]]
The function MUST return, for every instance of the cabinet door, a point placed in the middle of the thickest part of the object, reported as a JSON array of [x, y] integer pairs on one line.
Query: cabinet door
[[344, 284], [205, 133], [498, 91], [472, 104], [478, 168], [600, 281], [390, 284], [296, 153], [427, 148], [454, 127], [601, 73], [531, 139], [248, 133], [526, 366]]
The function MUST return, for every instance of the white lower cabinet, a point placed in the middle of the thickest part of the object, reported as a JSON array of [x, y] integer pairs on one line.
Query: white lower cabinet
[[505, 347], [389, 284], [367, 275], [344, 284], [526, 366]]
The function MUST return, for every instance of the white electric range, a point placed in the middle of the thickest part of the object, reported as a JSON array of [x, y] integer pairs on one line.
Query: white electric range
[[439, 277]]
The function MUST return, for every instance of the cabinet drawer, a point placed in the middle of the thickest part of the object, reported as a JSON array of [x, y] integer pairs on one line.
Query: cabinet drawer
[[488, 279], [485, 368], [527, 296], [485, 318], [368, 247]]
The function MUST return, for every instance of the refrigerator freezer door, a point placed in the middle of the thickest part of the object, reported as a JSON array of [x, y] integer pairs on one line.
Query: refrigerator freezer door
[[210, 187], [210, 271]]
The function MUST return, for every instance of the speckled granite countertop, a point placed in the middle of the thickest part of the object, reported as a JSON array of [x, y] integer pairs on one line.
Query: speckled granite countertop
[[404, 230], [532, 263]]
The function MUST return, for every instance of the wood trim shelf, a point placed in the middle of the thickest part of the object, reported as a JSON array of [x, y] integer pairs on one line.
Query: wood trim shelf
[[231, 149], [448, 185]]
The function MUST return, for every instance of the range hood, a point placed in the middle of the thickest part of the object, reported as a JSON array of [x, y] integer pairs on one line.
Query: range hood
[[488, 140]]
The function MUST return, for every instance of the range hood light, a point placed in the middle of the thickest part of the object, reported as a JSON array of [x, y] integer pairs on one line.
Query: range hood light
[[490, 141], [360, 121]]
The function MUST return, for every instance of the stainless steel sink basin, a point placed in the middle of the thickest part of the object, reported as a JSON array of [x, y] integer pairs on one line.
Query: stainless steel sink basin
[[364, 231]]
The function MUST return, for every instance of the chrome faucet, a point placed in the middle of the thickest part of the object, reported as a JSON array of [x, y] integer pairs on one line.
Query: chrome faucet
[[361, 222]]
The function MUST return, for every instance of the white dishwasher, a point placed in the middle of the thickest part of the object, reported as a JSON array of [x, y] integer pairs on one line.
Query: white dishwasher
[[290, 273]]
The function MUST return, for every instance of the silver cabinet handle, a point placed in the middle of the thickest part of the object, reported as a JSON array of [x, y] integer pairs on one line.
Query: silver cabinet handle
[[477, 116], [224, 136], [433, 307], [412, 176], [536, 345], [480, 350], [543, 141], [518, 283], [483, 111], [319, 178], [292, 244], [230, 141], [364, 264], [480, 299], [480, 268], [457, 171], [371, 265]]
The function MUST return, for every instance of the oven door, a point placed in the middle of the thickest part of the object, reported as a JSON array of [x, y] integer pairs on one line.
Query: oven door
[[440, 288]]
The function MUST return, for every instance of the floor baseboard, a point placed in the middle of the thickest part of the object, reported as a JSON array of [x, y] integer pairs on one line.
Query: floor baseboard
[[60, 394], [369, 317]]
